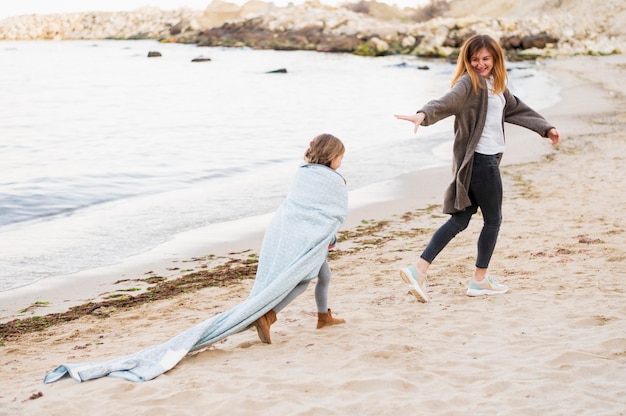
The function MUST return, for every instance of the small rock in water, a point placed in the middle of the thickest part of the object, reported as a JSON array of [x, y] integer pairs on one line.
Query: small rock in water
[[154, 54], [201, 59], [278, 71]]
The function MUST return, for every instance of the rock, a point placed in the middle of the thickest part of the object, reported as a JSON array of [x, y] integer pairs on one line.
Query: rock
[[201, 59], [277, 71], [408, 41], [380, 45], [337, 43], [154, 54], [538, 41], [179, 27], [511, 42], [217, 13]]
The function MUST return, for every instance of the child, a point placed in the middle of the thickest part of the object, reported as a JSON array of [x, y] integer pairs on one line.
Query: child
[[325, 151], [294, 251]]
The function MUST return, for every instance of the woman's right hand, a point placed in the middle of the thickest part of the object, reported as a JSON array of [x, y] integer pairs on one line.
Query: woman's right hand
[[416, 119]]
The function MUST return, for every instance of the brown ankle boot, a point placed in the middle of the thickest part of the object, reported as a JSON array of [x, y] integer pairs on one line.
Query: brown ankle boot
[[263, 326], [325, 319]]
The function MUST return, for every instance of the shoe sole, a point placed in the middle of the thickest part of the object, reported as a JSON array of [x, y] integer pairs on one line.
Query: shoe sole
[[415, 288], [476, 292]]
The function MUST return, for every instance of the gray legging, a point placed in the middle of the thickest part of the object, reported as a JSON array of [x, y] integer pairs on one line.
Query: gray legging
[[321, 291]]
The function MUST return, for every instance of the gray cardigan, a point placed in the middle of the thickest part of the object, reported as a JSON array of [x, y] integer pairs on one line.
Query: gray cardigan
[[470, 111]]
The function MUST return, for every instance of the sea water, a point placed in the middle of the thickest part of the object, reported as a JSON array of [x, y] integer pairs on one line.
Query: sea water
[[106, 153]]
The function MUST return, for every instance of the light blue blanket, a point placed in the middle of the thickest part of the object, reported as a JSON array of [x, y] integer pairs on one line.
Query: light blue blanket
[[294, 247]]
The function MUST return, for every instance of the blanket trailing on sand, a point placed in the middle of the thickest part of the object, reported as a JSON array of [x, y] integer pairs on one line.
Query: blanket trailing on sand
[[294, 247]]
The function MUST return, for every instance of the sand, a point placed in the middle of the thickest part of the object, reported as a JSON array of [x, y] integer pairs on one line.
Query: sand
[[554, 345]]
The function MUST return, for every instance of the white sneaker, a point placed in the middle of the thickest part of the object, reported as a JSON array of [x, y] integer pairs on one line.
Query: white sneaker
[[418, 283], [487, 286]]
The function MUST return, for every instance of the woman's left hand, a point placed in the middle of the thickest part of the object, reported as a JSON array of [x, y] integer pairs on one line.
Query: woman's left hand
[[553, 134]]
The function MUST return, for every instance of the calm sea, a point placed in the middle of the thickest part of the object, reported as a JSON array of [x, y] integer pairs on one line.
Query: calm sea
[[106, 153]]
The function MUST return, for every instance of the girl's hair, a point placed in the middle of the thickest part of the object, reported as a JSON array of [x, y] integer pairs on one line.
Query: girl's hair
[[323, 149], [470, 48]]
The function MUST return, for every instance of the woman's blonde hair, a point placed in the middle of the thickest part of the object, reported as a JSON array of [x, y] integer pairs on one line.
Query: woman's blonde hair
[[470, 48], [323, 149]]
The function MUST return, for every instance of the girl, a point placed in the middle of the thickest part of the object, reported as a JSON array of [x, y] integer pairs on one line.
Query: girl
[[480, 102], [325, 152], [293, 253]]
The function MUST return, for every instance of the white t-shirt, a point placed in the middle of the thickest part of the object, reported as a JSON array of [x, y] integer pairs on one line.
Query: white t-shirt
[[492, 139]]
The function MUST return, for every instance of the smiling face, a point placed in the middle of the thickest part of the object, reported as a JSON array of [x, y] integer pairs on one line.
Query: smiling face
[[482, 62]]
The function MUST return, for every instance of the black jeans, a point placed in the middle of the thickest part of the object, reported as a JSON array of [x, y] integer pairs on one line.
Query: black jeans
[[485, 192]]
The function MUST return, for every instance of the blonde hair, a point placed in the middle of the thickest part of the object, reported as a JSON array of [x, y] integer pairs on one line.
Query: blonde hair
[[470, 48], [323, 149]]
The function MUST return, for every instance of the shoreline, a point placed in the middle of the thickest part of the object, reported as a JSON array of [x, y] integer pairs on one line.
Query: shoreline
[[195, 248], [553, 345]]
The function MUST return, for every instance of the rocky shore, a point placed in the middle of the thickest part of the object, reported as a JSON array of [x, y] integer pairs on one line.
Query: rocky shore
[[369, 28]]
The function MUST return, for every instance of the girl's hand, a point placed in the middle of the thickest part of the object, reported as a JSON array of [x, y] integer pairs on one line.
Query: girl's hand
[[332, 243], [553, 134], [416, 119]]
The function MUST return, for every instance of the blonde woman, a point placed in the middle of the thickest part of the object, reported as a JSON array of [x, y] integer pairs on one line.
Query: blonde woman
[[480, 102]]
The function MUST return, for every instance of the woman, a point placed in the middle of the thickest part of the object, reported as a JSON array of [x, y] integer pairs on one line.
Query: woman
[[480, 102]]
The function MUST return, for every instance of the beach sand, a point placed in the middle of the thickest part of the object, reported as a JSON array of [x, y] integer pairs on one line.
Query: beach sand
[[554, 345]]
